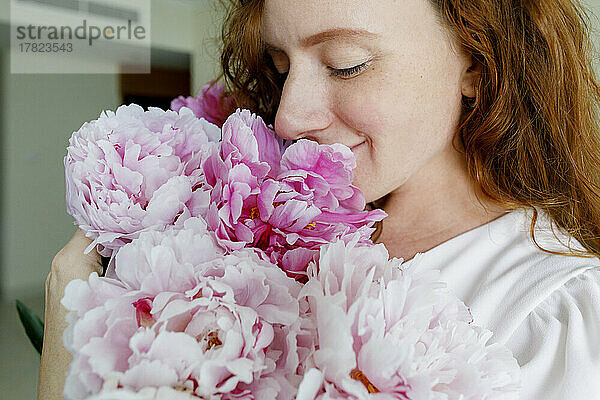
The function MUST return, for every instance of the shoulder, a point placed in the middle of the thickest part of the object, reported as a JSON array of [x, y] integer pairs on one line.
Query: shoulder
[[545, 307], [500, 273], [551, 320], [523, 278], [577, 301], [558, 343]]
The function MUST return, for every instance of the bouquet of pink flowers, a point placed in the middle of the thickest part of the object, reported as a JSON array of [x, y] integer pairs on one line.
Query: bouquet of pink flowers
[[387, 330], [183, 314], [242, 268], [133, 170]]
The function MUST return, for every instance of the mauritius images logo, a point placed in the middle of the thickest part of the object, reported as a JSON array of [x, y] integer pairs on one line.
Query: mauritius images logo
[[80, 36]]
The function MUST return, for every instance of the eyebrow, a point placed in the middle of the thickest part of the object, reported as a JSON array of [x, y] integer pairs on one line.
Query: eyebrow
[[330, 34]]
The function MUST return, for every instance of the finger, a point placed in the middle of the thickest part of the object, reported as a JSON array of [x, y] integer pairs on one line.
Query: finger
[[73, 259], [79, 240]]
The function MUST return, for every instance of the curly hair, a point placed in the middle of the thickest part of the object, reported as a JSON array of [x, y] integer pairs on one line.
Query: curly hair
[[530, 136]]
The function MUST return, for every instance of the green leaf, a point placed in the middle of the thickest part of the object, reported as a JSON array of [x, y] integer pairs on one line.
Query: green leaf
[[34, 327]]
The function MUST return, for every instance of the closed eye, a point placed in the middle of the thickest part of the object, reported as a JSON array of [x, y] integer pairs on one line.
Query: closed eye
[[344, 73], [348, 72]]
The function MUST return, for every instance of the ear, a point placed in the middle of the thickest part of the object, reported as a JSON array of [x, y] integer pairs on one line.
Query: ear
[[470, 78]]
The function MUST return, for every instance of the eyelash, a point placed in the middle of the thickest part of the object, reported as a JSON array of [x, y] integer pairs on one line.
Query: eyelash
[[344, 73], [348, 72]]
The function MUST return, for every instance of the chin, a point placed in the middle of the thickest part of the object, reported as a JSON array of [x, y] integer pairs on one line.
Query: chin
[[367, 189], [371, 199], [372, 189]]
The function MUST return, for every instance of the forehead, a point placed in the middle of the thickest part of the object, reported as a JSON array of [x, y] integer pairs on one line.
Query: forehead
[[409, 27], [285, 23], [288, 20]]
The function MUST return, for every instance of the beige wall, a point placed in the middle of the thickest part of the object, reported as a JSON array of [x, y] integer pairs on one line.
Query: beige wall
[[206, 34], [594, 7], [38, 114]]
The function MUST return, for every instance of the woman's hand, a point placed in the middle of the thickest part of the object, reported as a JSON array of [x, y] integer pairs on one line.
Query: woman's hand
[[69, 263]]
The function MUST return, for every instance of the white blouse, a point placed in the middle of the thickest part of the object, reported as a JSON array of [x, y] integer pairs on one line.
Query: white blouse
[[544, 307]]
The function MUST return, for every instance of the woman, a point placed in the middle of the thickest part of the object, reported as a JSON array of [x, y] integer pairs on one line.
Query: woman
[[472, 123]]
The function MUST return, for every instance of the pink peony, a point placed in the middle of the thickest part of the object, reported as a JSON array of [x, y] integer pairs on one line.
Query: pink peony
[[186, 316], [132, 170], [148, 393], [211, 104], [387, 330], [284, 200]]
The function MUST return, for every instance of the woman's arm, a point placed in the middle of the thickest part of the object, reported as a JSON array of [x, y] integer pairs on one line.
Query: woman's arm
[[69, 263]]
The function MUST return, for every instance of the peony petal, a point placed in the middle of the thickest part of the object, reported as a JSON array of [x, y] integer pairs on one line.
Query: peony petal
[[310, 385]]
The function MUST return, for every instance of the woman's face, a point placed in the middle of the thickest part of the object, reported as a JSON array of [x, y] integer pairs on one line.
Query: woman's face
[[380, 76]]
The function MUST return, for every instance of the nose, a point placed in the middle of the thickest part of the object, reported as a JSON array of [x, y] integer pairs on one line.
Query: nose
[[303, 109]]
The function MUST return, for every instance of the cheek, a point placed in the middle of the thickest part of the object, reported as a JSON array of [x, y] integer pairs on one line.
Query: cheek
[[402, 107], [389, 118], [405, 124], [365, 108]]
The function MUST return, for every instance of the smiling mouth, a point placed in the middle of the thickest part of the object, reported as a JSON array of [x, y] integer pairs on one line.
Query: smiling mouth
[[357, 146]]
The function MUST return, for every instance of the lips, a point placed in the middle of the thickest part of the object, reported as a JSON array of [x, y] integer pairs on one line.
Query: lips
[[357, 146]]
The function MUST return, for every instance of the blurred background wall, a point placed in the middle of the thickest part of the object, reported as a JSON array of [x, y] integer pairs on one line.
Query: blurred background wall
[[39, 112]]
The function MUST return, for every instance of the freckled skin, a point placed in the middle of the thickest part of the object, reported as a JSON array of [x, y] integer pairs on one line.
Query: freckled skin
[[405, 105]]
